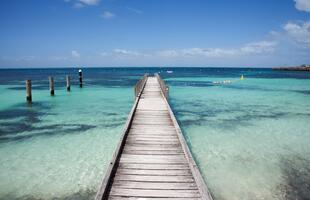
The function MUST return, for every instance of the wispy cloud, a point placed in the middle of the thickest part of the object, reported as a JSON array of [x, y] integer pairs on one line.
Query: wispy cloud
[[208, 52], [26, 58], [303, 5], [134, 10], [90, 2], [103, 54], [83, 3], [107, 15], [168, 53], [78, 5], [59, 58], [75, 54], [259, 47], [255, 48], [124, 52]]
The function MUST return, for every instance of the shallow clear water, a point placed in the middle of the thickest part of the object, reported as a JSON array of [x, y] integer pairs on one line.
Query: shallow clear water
[[250, 138]]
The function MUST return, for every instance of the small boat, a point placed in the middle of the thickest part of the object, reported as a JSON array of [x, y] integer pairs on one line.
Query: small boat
[[169, 72]]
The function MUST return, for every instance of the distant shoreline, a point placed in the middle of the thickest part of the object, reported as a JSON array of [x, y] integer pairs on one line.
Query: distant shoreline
[[300, 68]]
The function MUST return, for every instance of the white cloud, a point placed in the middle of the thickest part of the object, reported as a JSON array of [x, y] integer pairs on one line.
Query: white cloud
[[209, 52], [89, 2], [303, 5], [134, 10], [75, 54], [59, 58], [299, 32], [127, 52], [78, 5], [103, 54], [259, 47], [168, 53], [83, 3], [248, 49], [107, 15], [26, 58]]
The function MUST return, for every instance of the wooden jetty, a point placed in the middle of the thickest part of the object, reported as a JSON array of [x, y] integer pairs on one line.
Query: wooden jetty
[[152, 159]]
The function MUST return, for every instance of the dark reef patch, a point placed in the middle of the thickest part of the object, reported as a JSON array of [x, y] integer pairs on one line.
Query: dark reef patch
[[296, 173], [81, 195], [303, 91], [48, 130], [22, 117], [30, 111], [206, 114], [23, 121]]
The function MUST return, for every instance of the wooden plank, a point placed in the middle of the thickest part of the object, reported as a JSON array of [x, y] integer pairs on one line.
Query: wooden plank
[[159, 157], [155, 136], [153, 141], [152, 128], [152, 119], [150, 198], [153, 148], [152, 131], [153, 166], [161, 172], [155, 185], [129, 158], [158, 145], [152, 152], [144, 178], [115, 191]]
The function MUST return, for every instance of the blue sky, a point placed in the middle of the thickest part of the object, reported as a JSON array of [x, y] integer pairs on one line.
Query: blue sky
[[99, 33]]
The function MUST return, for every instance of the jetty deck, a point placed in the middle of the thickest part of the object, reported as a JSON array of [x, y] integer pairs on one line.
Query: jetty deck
[[152, 160]]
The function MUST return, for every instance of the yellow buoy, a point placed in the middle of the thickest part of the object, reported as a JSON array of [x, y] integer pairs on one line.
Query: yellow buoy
[[241, 78]]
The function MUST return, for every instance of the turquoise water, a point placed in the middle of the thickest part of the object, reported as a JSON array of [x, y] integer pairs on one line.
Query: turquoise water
[[250, 138], [58, 147]]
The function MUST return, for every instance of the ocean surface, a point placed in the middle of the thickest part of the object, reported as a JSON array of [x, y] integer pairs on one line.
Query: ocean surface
[[250, 137]]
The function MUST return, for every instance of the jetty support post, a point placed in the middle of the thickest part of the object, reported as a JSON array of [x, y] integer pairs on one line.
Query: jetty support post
[[80, 78], [28, 91], [52, 86], [68, 83]]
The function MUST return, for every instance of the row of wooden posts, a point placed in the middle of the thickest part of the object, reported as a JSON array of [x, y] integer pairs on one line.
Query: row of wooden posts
[[52, 85]]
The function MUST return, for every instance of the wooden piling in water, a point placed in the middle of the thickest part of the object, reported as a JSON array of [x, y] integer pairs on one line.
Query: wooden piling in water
[[80, 78], [28, 91], [52, 86], [68, 82]]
